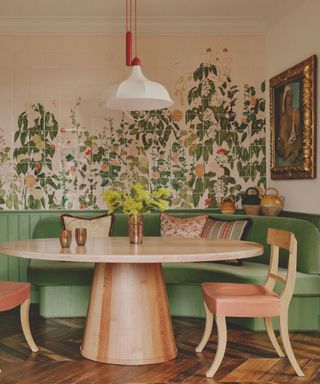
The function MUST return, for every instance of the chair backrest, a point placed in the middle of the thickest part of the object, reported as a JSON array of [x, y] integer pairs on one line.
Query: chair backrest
[[282, 239]]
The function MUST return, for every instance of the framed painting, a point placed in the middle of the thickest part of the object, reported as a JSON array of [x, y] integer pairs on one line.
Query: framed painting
[[293, 122]]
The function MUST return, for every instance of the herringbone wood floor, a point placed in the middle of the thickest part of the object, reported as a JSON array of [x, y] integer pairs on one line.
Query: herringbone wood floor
[[249, 357]]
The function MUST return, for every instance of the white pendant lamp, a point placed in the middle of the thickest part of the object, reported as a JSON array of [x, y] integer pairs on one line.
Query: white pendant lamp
[[137, 93]]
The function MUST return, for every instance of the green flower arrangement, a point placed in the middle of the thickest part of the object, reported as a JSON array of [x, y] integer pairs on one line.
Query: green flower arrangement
[[140, 200]]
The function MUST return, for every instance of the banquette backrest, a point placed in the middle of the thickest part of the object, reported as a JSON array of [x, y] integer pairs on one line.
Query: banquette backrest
[[307, 234]]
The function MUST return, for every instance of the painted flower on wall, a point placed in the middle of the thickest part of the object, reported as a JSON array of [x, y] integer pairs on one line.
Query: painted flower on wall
[[30, 181], [221, 151]]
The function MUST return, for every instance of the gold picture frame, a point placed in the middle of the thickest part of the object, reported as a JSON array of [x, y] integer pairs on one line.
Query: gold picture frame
[[293, 122]]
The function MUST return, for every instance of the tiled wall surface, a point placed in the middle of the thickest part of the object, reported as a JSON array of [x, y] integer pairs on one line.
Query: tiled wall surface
[[59, 148]]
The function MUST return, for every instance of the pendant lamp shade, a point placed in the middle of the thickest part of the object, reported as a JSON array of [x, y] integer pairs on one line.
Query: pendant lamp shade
[[137, 93]]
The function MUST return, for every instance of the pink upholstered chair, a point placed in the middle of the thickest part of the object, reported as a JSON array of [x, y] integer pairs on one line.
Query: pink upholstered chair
[[250, 300], [13, 294]]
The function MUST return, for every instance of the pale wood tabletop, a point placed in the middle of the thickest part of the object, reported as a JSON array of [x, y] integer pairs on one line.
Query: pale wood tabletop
[[119, 250]]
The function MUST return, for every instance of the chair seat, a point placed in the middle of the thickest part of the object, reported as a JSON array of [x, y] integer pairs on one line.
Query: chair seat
[[240, 300], [13, 294]]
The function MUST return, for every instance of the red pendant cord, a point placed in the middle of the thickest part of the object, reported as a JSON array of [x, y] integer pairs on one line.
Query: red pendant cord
[[128, 37], [129, 60], [135, 28], [130, 15], [127, 16]]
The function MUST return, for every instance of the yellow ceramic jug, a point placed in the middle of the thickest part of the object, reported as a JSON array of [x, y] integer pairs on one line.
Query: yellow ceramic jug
[[271, 203]]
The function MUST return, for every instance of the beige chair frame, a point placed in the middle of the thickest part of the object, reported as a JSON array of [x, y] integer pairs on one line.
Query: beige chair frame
[[277, 239], [25, 325]]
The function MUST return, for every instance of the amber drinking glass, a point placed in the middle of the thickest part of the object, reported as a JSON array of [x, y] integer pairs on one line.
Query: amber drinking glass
[[81, 236], [65, 238]]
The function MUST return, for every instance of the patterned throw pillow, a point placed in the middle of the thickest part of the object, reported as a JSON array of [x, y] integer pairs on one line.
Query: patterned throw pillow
[[99, 226], [173, 226], [226, 230]]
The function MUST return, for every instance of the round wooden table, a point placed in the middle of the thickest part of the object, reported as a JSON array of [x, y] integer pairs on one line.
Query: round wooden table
[[128, 320]]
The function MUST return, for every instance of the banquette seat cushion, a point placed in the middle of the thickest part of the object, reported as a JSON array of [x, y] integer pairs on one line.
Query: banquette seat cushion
[[46, 273]]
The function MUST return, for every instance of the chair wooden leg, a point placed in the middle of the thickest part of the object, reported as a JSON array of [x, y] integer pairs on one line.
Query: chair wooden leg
[[24, 316], [222, 342], [272, 336], [207, 329], [287, 345]]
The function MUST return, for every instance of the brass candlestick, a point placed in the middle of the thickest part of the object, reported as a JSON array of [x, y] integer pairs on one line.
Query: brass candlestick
[[81, 236], [65, 239]]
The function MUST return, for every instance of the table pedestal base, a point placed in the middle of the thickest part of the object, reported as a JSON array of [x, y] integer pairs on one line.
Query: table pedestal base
[[128, 320]]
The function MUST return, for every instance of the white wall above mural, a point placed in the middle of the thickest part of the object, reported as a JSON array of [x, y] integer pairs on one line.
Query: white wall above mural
[[61, 149], [165, 17]]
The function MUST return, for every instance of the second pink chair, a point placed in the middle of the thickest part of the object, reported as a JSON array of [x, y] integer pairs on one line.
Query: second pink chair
[[250, 300]]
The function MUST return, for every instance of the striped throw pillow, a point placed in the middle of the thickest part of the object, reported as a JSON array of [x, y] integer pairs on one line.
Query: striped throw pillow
[[226, 230]]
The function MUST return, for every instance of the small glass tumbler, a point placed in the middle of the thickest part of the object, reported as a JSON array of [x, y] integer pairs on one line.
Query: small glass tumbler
[[65, 239], [81, 236]]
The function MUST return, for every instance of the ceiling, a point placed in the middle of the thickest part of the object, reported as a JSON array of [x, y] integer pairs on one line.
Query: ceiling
[[256, 13]]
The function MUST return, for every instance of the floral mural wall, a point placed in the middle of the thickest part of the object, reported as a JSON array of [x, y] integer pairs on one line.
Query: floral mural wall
[[62, 154]]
